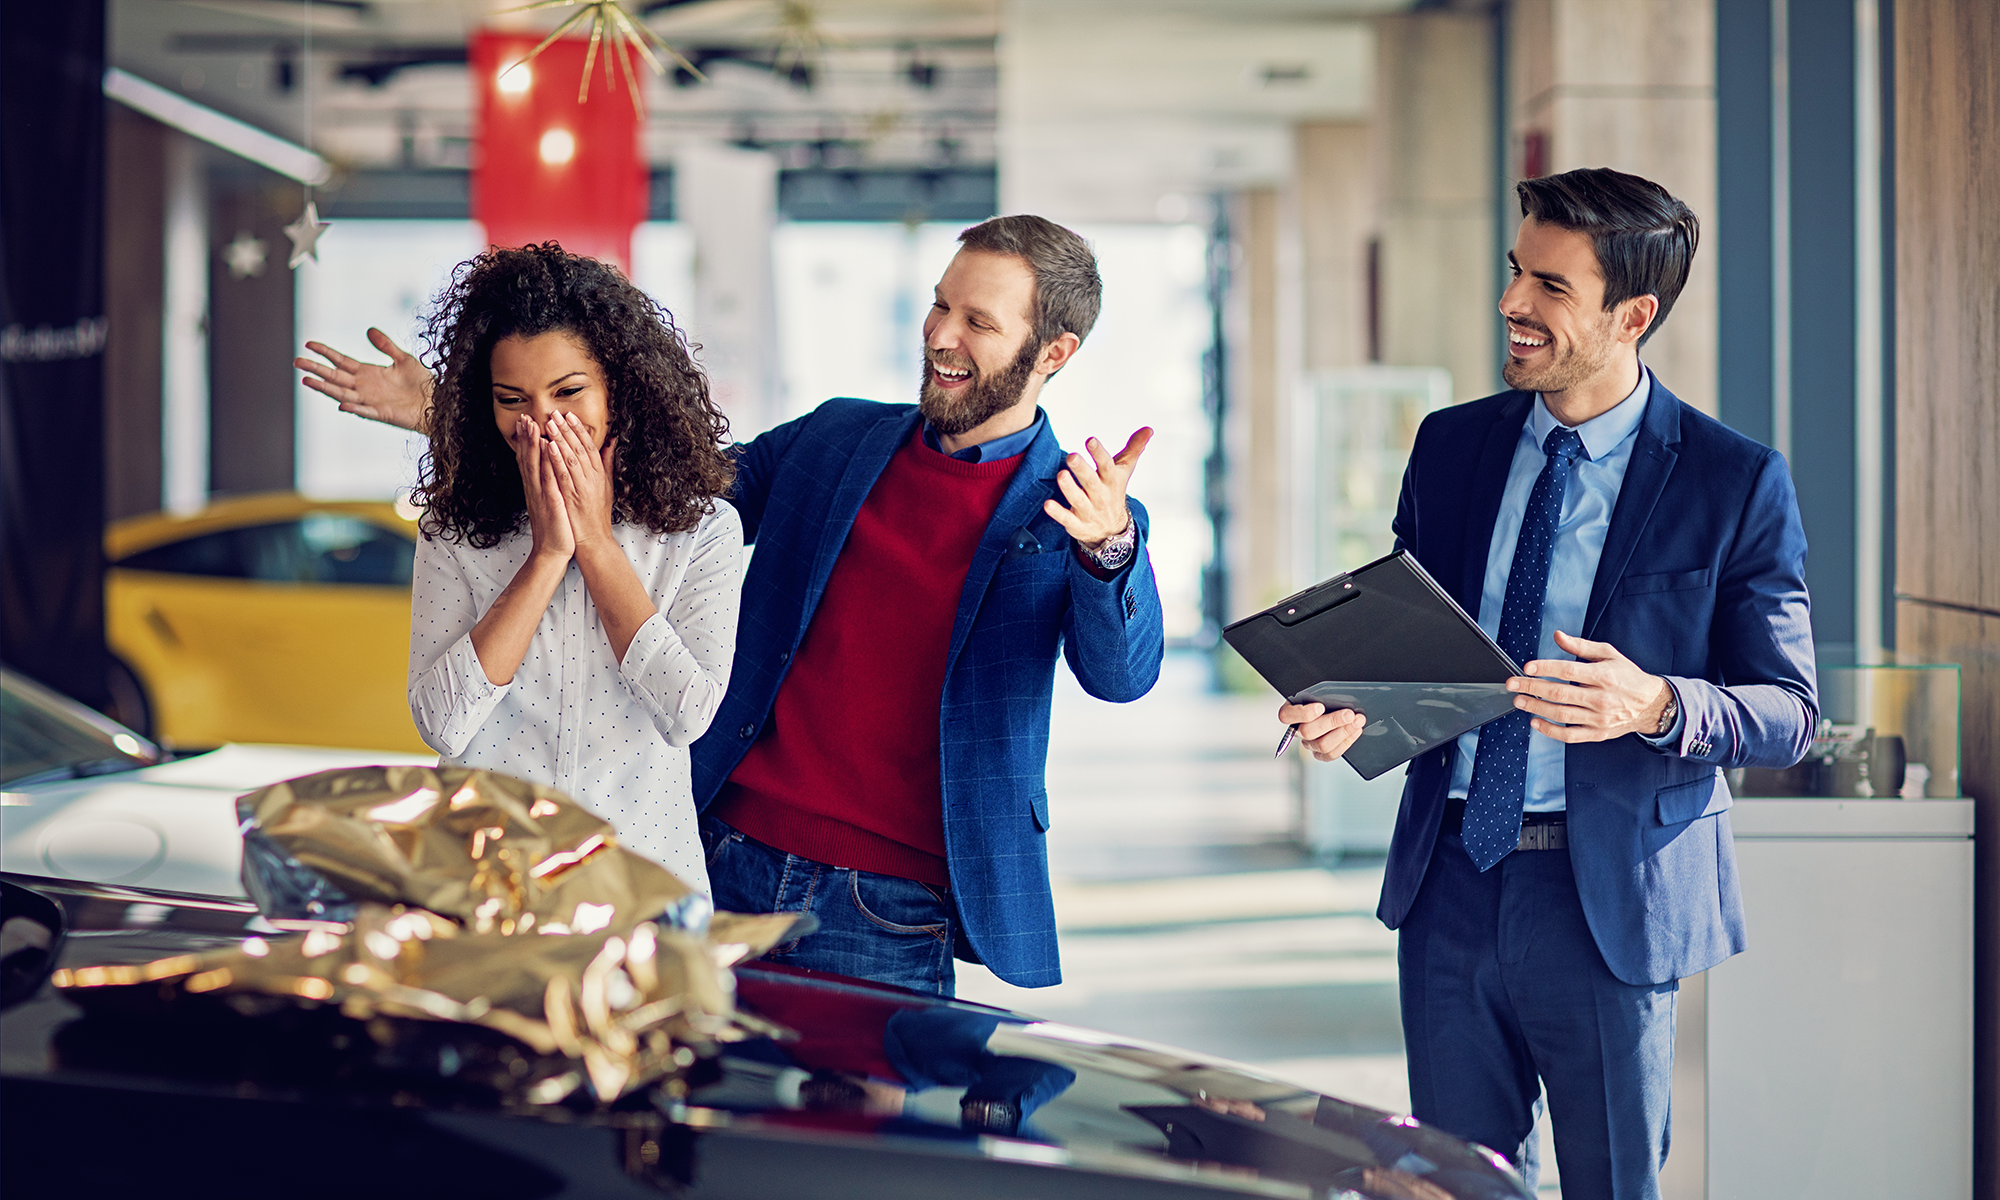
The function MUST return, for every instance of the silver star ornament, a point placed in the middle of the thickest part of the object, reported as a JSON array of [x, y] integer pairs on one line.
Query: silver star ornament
[[304, 233], [245, 256]]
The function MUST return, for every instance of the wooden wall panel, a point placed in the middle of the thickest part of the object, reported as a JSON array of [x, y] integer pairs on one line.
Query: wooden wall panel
[[1948, 301], [1947, 167]]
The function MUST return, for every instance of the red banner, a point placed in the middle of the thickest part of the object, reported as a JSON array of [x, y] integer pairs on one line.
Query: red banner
[[545, 166]]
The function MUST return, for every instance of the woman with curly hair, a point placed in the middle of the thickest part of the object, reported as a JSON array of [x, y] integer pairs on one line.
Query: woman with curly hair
[[574, 607]]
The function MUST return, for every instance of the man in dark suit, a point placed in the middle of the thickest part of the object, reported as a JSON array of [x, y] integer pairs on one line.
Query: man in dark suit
[[879, 759], [1555, 873]]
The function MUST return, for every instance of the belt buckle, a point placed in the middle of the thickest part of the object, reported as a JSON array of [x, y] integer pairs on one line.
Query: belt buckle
[[1543, 835]]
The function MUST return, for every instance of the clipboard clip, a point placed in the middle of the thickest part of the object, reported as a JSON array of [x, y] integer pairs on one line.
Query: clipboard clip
[[1312, 604]]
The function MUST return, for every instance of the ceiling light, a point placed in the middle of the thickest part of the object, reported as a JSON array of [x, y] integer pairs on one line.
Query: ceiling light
[[558, 147], [515, 80], [212, 127]]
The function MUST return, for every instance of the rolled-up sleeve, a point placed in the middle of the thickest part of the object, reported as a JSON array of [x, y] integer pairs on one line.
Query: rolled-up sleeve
[[678, 663], [450, 696]]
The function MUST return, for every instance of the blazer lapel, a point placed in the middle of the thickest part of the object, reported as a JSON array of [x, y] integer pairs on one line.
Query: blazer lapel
[[1489, 486], [1021, 503], [864, 466], [1653, 459]]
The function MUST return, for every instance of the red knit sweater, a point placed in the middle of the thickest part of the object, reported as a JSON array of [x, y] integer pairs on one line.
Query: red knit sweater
[[847, 770]]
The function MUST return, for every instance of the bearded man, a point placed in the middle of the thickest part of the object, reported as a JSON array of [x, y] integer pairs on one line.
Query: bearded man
[[1556, 873], [879, 758]]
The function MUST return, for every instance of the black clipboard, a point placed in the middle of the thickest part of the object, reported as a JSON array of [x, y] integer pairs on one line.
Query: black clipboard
[[1388, 642]]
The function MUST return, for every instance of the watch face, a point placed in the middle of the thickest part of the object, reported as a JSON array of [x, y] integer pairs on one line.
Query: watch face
[[1115, 553]]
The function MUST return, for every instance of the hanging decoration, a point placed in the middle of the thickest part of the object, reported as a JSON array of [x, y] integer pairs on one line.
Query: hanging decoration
[[626, 37], [548, 167], [800, 43], [305, 231], [245, 256]]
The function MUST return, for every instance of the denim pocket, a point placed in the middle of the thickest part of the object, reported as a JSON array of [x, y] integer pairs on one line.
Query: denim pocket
[[716, 838], [916, 903]]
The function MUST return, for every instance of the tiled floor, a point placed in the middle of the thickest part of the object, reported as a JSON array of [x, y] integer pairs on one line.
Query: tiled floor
[[1189, 915]]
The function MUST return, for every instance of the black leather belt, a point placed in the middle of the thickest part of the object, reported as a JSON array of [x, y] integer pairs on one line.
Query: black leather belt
[[1539, 831]]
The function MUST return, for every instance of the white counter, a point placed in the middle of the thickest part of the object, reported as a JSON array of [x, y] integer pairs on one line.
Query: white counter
[[1833, 1059]]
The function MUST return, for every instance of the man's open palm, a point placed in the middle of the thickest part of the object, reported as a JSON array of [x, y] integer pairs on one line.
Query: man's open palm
[[397, 394], [1094, 488]]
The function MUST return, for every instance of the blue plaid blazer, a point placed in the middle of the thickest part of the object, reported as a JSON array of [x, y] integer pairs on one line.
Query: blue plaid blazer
[[799, 488]]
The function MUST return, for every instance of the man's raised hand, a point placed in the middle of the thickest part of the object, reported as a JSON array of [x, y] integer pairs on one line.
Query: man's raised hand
[[397, 394], [1094, 488]]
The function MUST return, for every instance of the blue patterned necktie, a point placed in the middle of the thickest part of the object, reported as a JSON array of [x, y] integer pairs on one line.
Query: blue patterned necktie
[[1500, 766]]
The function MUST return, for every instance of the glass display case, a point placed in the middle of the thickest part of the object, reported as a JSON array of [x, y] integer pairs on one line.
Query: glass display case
[[1885, 732]]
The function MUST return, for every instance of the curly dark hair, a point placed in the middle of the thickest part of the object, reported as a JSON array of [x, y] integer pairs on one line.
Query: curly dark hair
[[670, 464]]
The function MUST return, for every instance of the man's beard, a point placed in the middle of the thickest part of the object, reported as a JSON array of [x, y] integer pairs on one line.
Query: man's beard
[[981, 399], [1567, 366]]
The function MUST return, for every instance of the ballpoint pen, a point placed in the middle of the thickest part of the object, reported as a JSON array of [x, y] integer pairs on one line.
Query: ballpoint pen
[[1285, 743]]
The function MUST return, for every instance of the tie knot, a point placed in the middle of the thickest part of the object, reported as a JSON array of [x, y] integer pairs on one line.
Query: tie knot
[[1562, 442]]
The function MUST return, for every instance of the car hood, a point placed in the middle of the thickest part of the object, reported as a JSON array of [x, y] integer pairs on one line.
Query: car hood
[[170, 826], [877, 1094]]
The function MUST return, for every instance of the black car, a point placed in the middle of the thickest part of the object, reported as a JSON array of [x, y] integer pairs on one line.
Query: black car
[[883, 1093]]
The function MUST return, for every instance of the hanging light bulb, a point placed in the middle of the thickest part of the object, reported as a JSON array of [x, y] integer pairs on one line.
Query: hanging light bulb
[[558, 146]]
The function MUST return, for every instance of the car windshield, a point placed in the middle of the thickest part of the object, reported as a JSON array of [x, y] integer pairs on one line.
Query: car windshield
[[44, 735]]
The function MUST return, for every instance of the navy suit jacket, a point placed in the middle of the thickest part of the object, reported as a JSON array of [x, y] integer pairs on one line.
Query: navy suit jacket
[[1702, 580], [799, 488]]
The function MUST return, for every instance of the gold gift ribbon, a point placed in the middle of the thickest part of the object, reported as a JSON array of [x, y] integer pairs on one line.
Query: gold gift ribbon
[[489, 901]]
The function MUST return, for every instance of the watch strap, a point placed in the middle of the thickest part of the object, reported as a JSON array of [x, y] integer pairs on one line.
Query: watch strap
[[1670, 713]]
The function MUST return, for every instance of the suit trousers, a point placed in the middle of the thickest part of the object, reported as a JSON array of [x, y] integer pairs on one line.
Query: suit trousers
[[1506, 996]]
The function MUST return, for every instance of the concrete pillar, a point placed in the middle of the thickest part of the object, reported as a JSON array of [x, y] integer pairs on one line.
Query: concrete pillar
[[1336, 188], [1261, 519], [1628, 84], [184, 332], [729, 199], [134, 286], [1434, 144], [252, 430]]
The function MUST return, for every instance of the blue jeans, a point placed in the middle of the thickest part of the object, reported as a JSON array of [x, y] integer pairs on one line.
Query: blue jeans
[[876, 927]]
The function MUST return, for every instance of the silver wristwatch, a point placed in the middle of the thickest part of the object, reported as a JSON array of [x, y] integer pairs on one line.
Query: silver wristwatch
[[1116, 550], [1670, 714]]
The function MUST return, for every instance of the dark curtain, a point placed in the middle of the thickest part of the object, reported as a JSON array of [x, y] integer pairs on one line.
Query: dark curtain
[[52, 332]]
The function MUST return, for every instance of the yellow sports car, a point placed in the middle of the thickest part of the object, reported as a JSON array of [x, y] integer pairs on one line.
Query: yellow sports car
[[269, 618]]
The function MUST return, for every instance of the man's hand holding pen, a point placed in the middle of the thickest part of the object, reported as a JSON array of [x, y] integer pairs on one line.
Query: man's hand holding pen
[[1327, 734]]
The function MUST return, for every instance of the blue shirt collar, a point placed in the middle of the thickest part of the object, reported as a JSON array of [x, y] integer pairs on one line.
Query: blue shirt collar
[[1006, 446], [1603, 432]]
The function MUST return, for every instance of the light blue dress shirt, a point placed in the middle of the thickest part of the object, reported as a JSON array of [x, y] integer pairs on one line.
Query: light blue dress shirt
[[1005, 446], [1588, 502]]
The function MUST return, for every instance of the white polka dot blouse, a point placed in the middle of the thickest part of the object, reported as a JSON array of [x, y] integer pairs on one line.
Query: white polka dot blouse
[[612, 735]]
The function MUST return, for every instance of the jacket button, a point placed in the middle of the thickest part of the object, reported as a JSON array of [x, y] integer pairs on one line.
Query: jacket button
[[784, 656], [747, 732]]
